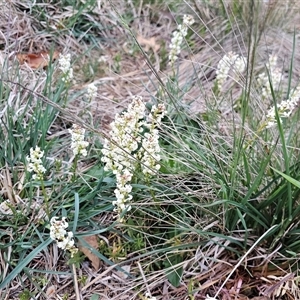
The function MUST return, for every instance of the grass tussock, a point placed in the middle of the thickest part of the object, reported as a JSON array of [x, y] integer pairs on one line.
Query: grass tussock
[[191, 191]]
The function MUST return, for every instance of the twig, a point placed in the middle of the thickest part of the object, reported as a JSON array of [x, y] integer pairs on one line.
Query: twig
[[98, 277], [75, 282], [241, 260]]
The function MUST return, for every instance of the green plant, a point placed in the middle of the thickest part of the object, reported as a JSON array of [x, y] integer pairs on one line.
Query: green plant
[[218, 195]]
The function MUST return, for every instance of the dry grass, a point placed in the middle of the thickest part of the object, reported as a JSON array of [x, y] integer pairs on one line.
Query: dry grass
[[126, 73]]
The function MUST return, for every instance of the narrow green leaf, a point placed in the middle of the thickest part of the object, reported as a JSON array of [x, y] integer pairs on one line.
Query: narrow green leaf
[[174, 274], [76, 214], [288, 178], [18, 269]]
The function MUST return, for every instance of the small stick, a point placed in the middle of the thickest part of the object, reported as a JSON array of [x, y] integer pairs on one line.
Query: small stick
[[76, 283]]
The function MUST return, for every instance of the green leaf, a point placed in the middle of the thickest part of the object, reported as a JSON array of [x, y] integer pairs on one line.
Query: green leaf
[[76, 204], [173, 273], [288, 178], [94, 297], [25, 295], [18, 269]]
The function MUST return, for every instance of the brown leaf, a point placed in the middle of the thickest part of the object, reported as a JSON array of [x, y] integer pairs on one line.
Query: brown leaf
[[93, 242], [51, 292], [148, 43], [36, 60]]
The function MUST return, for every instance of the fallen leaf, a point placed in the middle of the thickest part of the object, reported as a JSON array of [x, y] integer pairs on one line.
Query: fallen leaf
[[93, 242], [148, 43], [123, 275], [51, 292], [36, 60]]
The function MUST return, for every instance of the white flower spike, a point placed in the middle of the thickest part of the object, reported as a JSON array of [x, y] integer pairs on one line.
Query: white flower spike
[[78, 144], [59, 234], [35, 163], [285, 109], [178, 37], [91, 92], [230, 61], [64, 62], [128, 148]]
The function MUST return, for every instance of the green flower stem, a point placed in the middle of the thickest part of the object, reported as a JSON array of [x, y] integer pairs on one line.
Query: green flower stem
[[46, 199], [74, 168]]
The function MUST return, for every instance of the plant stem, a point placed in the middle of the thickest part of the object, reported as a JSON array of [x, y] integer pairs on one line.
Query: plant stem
[[76, 288]]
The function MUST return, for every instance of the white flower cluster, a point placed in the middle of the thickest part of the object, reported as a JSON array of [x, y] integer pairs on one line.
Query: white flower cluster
[[102, 59], [285, 108], [275, 76], [91, 91], [178, 36], [64, 62], [78, 144], [128, 148], [35, 163], [59, 234], [230, 61], [149, 153], [149, 297]]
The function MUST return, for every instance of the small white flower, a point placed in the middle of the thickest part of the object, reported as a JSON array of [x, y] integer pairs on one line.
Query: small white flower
[[128, 149], [149, 152], [149, 297], [230, 61], [178, 37], [188, 20], [285, 109], [63, 238], [78, 145], [64, 62], [35, 163], [210, 298], [91, 91], [102, 59]]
